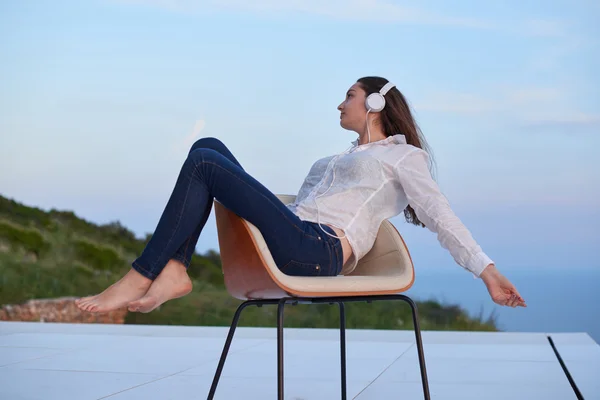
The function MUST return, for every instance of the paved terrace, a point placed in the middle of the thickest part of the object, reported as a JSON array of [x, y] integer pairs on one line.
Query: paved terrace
[[139, 362]]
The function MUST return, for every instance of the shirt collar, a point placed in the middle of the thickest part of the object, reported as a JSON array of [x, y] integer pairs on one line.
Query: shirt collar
[[397, 138]]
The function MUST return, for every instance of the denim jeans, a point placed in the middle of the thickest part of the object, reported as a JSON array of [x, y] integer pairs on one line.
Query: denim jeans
[[210, 171]]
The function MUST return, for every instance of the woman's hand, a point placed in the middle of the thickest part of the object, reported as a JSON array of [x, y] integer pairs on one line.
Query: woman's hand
[[501, 290]]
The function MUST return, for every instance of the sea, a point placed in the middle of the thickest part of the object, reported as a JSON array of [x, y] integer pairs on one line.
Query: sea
[[566, 300]]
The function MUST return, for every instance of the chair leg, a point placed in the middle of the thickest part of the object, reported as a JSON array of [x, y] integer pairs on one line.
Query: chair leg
[[413, 307], [369, 299], [280, 307], [234, 323], [343, 346], [340, 300]]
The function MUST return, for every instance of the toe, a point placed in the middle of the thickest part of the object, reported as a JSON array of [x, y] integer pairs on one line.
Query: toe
[[86, 300]]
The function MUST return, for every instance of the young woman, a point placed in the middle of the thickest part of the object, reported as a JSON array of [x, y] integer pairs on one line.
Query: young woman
[[334, 220]]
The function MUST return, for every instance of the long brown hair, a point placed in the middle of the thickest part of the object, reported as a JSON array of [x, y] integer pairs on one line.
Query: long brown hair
[[396, 118]]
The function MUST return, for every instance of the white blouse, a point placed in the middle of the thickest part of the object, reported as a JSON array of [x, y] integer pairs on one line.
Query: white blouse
[[359, 188]]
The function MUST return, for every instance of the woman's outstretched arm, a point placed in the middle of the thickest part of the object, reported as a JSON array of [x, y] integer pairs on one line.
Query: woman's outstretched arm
[[433, 210]]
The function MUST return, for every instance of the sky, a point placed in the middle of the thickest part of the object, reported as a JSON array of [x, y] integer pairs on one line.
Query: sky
[[100, 101]]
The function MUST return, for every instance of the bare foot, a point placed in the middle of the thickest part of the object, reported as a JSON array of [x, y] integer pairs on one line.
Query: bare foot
[[172, 282], [131, 287]]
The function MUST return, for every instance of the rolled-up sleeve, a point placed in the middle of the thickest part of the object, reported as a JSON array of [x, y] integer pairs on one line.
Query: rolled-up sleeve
[[433, 210]]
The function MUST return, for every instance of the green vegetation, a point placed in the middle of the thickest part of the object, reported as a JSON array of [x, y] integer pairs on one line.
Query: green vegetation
[[47, 254], [17, 237]]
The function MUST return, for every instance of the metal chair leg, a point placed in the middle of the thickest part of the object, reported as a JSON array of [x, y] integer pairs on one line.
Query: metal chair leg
[[234, 323], [343, 346], [385, 297], [340, 300], [280, 307], [413, 308]]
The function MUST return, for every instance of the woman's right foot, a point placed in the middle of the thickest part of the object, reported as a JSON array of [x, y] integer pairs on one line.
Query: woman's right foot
[[172, 282]]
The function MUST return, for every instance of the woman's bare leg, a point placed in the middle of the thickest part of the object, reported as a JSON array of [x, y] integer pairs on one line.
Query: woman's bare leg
[[205, 175], [135, 284]]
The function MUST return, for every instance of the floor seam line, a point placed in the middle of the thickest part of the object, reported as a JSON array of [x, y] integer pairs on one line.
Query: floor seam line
[[565, 370], [385, 369]]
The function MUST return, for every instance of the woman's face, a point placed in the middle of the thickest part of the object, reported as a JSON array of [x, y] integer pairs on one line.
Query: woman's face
[[352, 109]]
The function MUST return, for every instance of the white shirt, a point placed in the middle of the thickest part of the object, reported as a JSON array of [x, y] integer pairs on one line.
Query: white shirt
[[373, 182]]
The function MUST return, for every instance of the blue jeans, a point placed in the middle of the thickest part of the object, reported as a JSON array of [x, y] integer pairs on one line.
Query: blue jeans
[[211, 172]]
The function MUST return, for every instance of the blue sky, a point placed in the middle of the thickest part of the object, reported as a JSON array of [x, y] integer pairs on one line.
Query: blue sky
[[100, 100]]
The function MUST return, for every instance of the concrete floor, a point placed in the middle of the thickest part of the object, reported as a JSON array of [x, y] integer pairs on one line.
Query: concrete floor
[[141, 362]]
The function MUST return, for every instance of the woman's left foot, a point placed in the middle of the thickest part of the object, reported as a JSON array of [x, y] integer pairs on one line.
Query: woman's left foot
[[131, 287], [173, 282]]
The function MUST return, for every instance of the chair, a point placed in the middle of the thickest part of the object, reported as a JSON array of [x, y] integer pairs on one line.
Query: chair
[[251, 274]]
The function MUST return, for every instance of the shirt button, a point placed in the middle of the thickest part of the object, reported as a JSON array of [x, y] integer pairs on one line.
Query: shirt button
[[319, 237], [318, 267]]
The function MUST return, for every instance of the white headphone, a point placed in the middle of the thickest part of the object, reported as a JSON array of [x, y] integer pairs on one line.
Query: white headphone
[[375, 102]]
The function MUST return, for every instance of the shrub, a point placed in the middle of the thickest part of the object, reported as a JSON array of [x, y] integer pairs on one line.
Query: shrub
[[25, 238], [24, 215], [97, 256], [205, 270]]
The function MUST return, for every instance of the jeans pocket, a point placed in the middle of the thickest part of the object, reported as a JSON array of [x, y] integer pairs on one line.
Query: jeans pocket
[[295, 268]]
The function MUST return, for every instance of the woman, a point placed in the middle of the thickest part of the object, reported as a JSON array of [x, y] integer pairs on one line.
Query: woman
[[333, 222]]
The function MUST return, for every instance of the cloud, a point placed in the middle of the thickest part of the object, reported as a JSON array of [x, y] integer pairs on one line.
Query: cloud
[[186, 142], [532, 95], [568, 118], [566, 122], [538, 108], [545, 27], [359, 10], [550, 56], [362, 10], [457, 103]]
